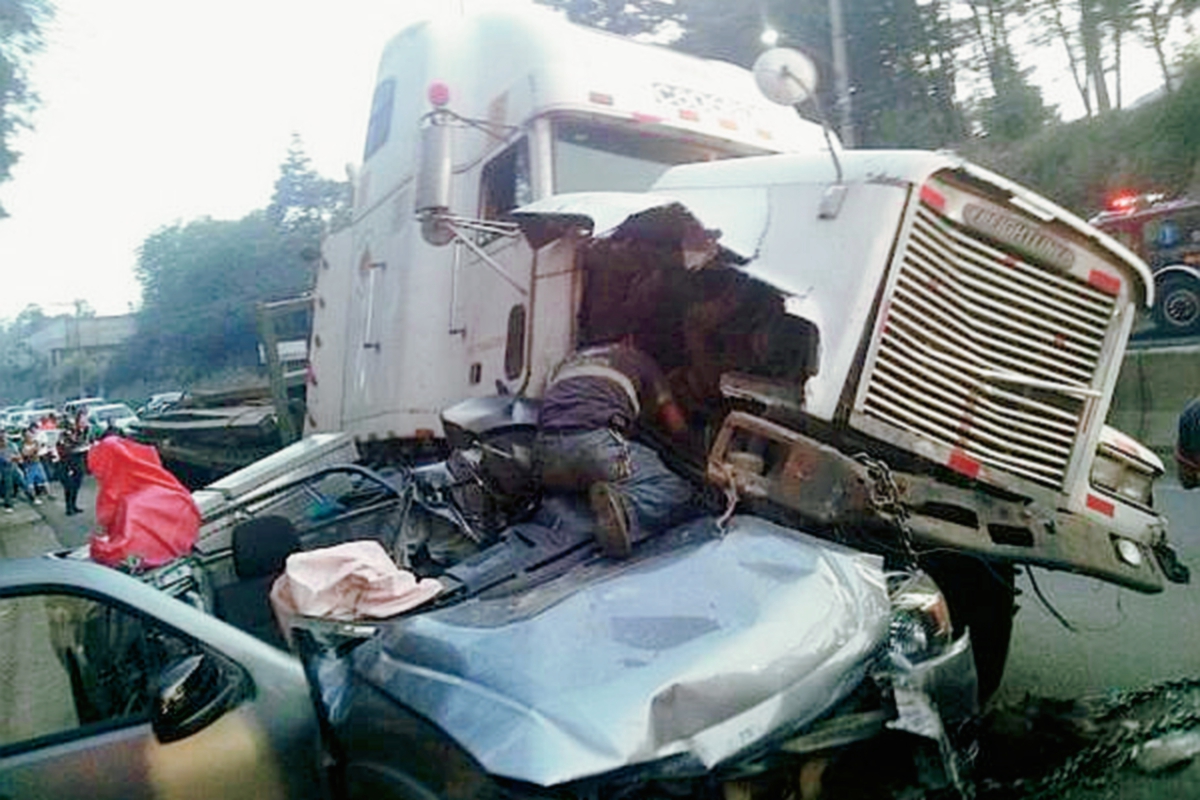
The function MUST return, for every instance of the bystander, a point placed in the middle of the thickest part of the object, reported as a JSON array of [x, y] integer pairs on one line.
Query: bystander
[[31, 462], [12, 479], [72, 450]]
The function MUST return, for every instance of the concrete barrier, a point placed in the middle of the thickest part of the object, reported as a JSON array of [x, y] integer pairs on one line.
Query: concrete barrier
[[1154, 385]]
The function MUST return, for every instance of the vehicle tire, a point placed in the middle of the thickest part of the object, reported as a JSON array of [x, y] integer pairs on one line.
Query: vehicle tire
[[981, 596], [1177, 305]]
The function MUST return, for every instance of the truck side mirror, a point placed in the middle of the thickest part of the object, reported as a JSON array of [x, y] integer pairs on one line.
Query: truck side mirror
[[788, 77], [434, 174], [785, 76]]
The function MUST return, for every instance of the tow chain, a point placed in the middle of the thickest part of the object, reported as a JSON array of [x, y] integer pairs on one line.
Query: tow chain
[[886, 501], [1096, 765]]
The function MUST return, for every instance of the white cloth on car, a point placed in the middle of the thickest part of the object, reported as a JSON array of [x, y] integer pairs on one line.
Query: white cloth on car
[[355, 580]]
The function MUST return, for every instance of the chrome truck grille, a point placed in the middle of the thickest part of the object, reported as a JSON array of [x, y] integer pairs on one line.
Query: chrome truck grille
[[987, 352]]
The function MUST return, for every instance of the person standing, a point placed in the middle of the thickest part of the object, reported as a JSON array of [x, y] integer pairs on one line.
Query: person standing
[[31, 462], [72, 450], [1187, 445], [12, 479], [589, 414], [7, 479]]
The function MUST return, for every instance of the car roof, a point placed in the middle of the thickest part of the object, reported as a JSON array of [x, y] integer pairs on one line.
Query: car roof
[[85, 401], [110, 407]]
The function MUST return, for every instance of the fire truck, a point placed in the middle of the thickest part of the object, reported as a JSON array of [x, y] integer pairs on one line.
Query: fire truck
[[1166, 235]]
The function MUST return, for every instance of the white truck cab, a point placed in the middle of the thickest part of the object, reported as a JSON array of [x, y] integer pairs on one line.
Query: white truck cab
[[404, 327]]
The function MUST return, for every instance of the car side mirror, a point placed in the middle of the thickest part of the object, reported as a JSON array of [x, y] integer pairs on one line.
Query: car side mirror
[[192, 693]]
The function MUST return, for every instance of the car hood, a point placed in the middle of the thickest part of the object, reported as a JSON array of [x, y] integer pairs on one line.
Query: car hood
[[710, 644]]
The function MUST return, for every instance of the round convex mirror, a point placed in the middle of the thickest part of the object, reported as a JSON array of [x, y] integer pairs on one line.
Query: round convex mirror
[[785, 76]]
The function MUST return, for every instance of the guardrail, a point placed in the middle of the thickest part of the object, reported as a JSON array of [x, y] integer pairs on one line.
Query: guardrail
[[1157, 380]]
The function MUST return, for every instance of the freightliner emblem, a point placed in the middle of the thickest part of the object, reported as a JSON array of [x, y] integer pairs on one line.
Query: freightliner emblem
[[1013, 230]]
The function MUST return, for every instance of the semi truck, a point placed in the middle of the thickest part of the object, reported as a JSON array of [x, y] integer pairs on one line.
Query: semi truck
[[900, 350]]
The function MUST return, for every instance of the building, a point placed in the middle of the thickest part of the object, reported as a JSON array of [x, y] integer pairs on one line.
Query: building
[[65, 339]]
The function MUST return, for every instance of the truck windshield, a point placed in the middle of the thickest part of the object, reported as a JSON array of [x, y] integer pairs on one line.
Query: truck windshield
[[590, 157]]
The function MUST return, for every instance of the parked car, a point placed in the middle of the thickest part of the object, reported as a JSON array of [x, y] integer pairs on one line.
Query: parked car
[[160, 402], [21, 420], [71, 407], [112, 415], [8, 416]]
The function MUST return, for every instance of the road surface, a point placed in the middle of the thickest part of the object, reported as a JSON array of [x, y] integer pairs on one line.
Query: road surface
[[1123, 638]]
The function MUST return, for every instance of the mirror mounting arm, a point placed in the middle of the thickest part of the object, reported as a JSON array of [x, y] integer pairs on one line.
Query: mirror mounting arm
[[788, 77], [453, 227]]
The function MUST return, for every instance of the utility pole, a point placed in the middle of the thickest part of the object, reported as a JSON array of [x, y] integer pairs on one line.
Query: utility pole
[[79, 343], [841, 78]]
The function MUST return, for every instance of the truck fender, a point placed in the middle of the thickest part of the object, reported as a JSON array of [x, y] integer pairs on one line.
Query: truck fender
[[1175, 269]]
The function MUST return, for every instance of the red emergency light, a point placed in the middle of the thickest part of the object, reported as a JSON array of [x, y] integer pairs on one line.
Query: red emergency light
[[1124, 201]]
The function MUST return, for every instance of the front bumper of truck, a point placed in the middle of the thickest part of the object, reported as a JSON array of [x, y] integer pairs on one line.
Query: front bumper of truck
[[764, 462]]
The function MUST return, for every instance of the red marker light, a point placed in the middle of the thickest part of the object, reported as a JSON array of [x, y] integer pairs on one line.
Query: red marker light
[[1102, 506], [439, 94], [1105, 282], [933, 198], [963, 464]]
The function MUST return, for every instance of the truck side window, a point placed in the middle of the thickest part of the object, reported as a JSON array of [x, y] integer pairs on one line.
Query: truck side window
[[514, 348], [380, 124], [505, 184]]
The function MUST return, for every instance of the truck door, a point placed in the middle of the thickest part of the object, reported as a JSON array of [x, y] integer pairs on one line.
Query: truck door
[[492, 284]]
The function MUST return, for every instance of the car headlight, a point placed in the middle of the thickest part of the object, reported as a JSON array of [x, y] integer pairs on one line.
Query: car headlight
[[920, 626]]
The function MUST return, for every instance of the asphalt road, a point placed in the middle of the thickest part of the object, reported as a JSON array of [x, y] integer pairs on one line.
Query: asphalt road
[[72, 531], [1122, 639]]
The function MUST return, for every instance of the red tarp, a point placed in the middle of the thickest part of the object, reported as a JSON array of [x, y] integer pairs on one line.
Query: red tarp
[[145, 516]]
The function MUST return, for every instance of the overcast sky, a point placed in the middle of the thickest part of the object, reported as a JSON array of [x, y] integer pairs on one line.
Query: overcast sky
[[158, 111]]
